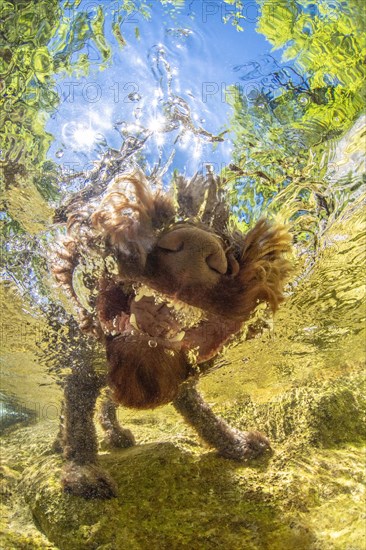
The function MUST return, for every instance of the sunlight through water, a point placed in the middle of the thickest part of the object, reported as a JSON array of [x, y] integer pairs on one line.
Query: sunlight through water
[[270, 97]]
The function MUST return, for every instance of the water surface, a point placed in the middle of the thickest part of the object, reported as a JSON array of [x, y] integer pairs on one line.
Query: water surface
[[270, 95]]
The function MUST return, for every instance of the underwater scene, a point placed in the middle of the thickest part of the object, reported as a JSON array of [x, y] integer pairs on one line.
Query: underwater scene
[[183, 234]]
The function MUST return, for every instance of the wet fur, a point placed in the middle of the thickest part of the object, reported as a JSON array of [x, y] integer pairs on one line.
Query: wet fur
[[127, 225]]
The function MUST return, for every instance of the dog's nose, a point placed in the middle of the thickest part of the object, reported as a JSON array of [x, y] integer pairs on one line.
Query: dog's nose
[[193, 255]]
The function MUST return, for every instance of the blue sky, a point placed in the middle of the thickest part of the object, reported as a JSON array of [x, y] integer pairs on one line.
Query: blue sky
[[196, 50]]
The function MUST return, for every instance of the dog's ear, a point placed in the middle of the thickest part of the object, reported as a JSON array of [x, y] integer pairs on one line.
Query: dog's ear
[[264, 266], [263, 269], [202, 199], [130, 216]]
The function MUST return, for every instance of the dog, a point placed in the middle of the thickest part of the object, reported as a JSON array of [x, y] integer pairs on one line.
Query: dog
[[170, 280]]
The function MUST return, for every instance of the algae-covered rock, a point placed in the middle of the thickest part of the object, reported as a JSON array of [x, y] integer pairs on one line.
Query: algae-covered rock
[[174, 493], [168, 498], [321, 414]]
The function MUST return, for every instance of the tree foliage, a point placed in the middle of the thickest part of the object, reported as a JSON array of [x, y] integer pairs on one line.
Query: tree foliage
[[40, 39], [283, 134], [327, 42]]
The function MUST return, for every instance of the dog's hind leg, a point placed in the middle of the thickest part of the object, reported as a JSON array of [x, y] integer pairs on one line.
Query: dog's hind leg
[[81, 474], [58, 444], [115, 436], [229, 442]]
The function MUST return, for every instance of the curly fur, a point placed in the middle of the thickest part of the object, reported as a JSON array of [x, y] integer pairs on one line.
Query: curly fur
[[183, 248]]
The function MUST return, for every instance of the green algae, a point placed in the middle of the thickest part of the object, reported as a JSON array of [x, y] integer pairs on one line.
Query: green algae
[[173, 493], [324, 414]]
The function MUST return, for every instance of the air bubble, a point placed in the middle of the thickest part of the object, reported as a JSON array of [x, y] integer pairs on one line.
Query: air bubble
[[152, 343]]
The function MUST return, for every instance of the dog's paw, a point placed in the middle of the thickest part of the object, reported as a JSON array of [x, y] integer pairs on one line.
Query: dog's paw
[[118, 439], [245, 445], [87, 481]]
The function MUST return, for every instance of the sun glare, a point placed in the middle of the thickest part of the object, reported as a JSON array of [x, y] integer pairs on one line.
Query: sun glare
[[156, 124], [83, 135]]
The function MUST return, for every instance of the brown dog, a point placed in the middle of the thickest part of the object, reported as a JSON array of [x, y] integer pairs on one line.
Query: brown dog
[[169, 282]]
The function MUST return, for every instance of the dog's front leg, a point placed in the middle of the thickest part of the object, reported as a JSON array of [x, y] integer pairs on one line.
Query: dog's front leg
[[115, 436], [230, 442], [81, 474]]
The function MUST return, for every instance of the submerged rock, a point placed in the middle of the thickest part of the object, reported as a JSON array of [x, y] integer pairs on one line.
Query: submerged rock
[[323, 414], [175, 494]]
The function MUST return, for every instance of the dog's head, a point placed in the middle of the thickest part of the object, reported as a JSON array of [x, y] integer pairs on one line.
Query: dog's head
[[179, 281]]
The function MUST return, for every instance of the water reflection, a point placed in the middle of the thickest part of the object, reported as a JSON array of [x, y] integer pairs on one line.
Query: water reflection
[[90, 89], [169, 112]]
